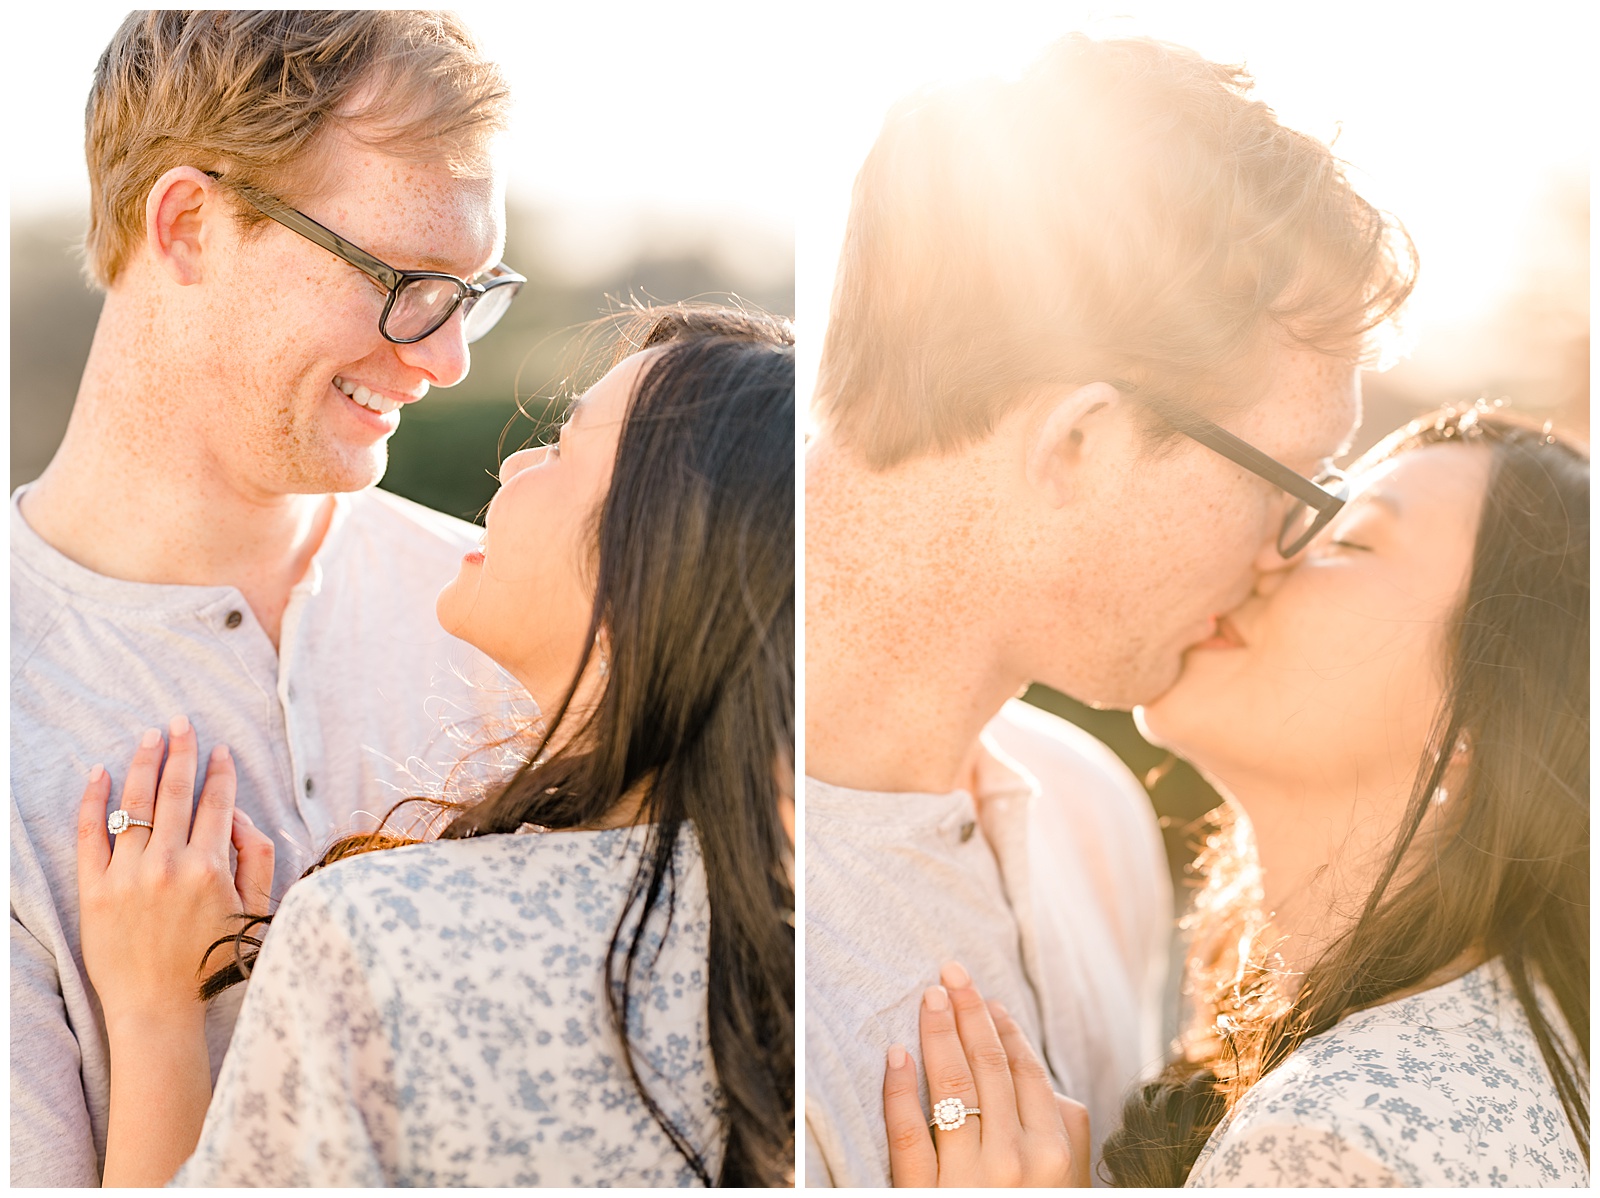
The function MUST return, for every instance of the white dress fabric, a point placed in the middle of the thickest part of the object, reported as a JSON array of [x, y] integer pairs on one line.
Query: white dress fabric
[[1443, 1088], [435, 1015]]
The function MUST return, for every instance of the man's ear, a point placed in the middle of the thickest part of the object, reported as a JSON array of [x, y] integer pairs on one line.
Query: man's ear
[[1056, 448], [177, 212]]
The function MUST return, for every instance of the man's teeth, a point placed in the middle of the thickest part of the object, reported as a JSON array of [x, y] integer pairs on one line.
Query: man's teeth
[[371, 400]]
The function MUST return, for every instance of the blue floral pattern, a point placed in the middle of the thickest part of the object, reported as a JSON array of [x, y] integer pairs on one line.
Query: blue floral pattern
[[1443, 1088], [435, 1015]]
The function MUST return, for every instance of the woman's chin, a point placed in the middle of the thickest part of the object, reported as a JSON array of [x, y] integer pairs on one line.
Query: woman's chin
[[1177, 720]]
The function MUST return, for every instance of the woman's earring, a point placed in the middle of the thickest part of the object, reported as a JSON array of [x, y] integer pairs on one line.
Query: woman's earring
[[600, 649], [1442, 795]]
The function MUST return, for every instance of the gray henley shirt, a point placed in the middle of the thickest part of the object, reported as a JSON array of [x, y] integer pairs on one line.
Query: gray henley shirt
[[347, 716]]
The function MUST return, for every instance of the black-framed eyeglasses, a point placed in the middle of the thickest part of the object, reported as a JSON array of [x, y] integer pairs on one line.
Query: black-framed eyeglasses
[[419, 301], [1319, 500]]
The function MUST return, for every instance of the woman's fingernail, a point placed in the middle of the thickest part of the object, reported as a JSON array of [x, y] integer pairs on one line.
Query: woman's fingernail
[[999, 1008], [897, 1056], [220, 753], [96, 772], [150, 739], [936, 998], [954, 976], [179, 725]]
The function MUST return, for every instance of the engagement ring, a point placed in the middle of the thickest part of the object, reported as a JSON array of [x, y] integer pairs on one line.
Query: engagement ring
[[121, 821], [951, 1113]]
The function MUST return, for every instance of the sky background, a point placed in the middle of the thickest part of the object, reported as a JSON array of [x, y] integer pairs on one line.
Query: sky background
[[634, 127], [1460, 120], [628, 126]]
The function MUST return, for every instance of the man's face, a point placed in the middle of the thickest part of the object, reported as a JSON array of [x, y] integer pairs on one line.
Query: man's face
[[286, 328], [1171, 540]]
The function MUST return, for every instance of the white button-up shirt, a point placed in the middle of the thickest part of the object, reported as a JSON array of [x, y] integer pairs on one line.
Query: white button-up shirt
[[347, 716]]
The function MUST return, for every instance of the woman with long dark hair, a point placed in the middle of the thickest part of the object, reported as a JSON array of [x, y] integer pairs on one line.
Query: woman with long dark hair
[[587, 976], [1389, 966]]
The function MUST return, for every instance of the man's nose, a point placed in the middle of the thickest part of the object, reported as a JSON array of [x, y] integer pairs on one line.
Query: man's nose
[[442, 355]]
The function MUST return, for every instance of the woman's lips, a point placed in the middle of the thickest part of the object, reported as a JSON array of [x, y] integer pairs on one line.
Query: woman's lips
[[1224, 636]]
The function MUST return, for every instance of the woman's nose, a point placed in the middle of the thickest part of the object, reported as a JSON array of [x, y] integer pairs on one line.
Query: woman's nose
[[1271, 567], [520, 461], [1268, 581]]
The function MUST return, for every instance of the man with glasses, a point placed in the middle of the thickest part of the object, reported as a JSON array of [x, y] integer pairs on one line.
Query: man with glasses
[[1094, 341], [297, 222]]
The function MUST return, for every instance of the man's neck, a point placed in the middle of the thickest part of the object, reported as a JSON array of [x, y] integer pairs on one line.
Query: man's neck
[[131, 497], [903, 666]]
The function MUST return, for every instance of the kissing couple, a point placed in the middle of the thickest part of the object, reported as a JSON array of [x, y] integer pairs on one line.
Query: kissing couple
[[1094, 344]]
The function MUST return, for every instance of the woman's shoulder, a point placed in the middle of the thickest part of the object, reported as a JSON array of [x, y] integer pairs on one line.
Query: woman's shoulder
[[548, 885], [1446, 1087]]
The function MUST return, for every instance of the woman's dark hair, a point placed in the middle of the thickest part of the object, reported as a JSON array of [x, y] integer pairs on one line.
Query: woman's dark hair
[[694, 592], [1507, 871]]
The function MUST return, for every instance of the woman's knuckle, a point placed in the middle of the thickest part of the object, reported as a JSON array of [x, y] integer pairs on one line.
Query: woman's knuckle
[[1048, 1160], [906, 1137], [949, 1079], [989, 1059], [897, 1086], [1029, 1068]]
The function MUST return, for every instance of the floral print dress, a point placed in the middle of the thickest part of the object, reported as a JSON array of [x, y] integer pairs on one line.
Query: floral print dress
[[1443, 1088], [435, 1015]]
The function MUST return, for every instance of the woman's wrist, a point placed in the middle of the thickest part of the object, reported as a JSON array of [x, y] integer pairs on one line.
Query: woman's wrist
[[143, 1022]]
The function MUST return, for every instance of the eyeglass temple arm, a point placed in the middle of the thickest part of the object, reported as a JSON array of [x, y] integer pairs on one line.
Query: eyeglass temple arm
[[312, 231], [1214, 436]]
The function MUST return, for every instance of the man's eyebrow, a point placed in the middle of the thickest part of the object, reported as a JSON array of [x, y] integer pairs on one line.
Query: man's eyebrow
[[441, 266]]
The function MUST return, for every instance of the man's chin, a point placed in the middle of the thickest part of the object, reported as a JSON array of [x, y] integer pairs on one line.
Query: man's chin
[[349, 472], [1121, 694]]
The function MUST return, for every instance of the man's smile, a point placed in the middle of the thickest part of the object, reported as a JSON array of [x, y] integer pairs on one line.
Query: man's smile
[[374, 400]]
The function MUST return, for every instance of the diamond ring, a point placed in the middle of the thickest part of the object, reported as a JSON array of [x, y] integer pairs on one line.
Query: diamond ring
[[951, 1113], [121, 821]]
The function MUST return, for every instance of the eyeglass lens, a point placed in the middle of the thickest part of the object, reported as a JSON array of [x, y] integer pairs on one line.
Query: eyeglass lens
[[1304, 521], [422, 305], [487, 310], [1298, 527]]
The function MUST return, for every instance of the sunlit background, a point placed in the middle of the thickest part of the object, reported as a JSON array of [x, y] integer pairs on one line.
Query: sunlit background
[[1470, 122], [650, 156]]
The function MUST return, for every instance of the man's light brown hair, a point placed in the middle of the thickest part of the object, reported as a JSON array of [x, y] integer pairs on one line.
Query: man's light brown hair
[[1121, 212], [252, 94]]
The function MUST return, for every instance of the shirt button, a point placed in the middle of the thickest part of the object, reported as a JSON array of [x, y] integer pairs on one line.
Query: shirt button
[[967, 829], [290, 694], [309, 786], [235, 618]]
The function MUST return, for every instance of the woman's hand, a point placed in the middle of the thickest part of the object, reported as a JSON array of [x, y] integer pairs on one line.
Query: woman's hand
[[151, 908], [1025, 1135]]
